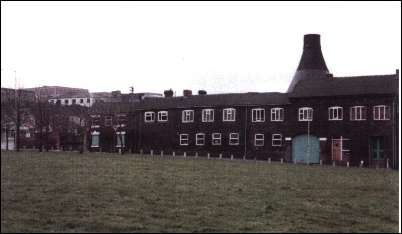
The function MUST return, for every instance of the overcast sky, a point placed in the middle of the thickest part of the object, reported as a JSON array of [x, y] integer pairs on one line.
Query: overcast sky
[[215, 46]]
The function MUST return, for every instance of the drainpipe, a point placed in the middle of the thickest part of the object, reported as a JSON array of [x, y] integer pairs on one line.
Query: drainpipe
[[245, 133]]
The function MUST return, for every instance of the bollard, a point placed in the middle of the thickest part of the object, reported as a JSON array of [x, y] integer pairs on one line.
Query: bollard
[[387, 163], [208, 155], [119, 150], [231, 157], [244, 157], [196, 154], [141, 152], [361, 163], [347, 164], [281, 160], [294, 161], [220, 156], [185, 154], [161, 153], [152, 153], [269, 160], [320, 162], [333, 163], [174, 154]]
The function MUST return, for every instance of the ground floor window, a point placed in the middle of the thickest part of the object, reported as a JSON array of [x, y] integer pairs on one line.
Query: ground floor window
[[259, 140], [200, 139], [183, 139], [233, 138], [377, 147], [340, 148], [95, 139], [121, 139], [216, 139]]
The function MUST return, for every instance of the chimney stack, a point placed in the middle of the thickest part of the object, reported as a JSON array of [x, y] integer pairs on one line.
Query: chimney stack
[[168, 93], [187, 93], [202, 92]]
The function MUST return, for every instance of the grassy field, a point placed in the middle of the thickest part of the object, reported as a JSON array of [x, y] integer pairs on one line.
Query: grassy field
[[69, 192]]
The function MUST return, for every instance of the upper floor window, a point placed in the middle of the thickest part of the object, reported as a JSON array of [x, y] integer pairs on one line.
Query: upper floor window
[[88, 100], [335, 113], [259, 140], [305, 114], [187, 116], [81, 100], [229, 114], [208, 115], [162, 116], [358, 113], [381, 112], [95, 120], [200, 139], [108, 121], [149, 116], [216, 139], [183, 139], [276, 139], [234, 139], [258, 115], [122, 119], [66, 101], [277, 114]]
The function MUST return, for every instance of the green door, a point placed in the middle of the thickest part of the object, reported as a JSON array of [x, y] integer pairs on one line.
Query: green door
[[306, 149], [377, 147]]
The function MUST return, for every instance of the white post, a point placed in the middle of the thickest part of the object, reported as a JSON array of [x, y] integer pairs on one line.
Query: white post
[[119, 150], [281, 160], [196, 154], [174, 154], [320, 162], [269, 160], [185, 154], [231, 157], [141, 152], [152, 152], [361, 163], [220, 156], [333, 163], [208, 155], [387, 163], [347, 164], [244, 157], [161, 153]]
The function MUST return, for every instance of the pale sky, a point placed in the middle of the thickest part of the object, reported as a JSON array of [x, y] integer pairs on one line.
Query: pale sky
[[220, 47]]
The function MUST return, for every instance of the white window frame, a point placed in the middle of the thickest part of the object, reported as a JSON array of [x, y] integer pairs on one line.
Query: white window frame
[[216, 136], [261, 138], [123, 133], [229, 115], [149, 114], [95, 133], [200, 137], [306, 110], [234, 136], [108, 118], [337, 110], [354, 113], [254, 115], [162, 114], [277, 114], [277, 137], [208, 115], [184, 137], [187, 116], [382, 109]]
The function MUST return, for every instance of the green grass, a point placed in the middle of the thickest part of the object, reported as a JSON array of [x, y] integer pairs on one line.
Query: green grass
[[69, 192]]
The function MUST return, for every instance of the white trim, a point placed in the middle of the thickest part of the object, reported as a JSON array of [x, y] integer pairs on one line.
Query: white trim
[[305, 110], [207, 115], [229, 112], [182, 139], [111, 120], [322, 138], [361, 108], [277, 111], [273, 139], [262, 139], [185, 114], [237, 138], [216, 138], [254, 112], [335, 109], [200, 137], [382, 112], [288, 138], [162, 113], [149, 114]]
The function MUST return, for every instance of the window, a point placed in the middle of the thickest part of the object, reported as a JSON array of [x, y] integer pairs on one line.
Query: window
[[216, 139], [81, 100], [183, 139], [187, 116], [377, 147], [108, 121], [122, 119], [229, 114], [358, 113], [233, 138], [149, 116], [121, 139], [305, 114], [277, 114], [95, 139], [335, 113], [208, 115], [162, 116], [259, 140], [88, 100], [276, 139], [258, 115], [66, 101], [74, 101], [95, 120], [200, 139], [381, 112]]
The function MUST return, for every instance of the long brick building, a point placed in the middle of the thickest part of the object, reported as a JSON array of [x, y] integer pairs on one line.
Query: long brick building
[[321, 117]]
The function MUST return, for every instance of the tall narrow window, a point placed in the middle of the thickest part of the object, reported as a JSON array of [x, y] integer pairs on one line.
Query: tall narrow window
[[234, 139], [305, 114], [121, 139], [162, 116], [108, 121], [149, 116], [276, 139], [277, 114], [259, 139], [358, 113], [229, 114], [258, 115], [335, 113], [216, 139], [381, 112], [200, 139], [95, 139], [187, 116], [208, 115], [183, 139]]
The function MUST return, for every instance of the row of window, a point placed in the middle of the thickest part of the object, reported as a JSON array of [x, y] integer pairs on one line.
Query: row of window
[[67, 101], [234, 139], [380, 112], [120, 139]]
